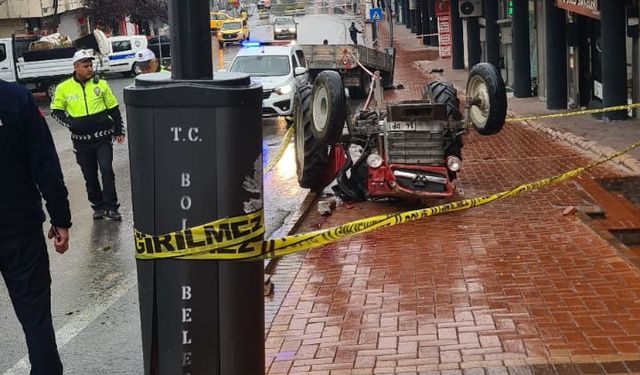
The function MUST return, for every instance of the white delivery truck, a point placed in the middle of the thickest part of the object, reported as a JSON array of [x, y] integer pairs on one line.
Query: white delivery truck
[[42, 70], [123, 53]]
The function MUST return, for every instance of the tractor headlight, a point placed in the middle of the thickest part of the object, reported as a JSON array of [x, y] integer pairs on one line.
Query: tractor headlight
[[283, 90], [374, 160], [454, 163]]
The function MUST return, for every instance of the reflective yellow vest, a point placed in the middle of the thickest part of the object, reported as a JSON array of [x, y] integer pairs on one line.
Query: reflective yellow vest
[[83, 100]]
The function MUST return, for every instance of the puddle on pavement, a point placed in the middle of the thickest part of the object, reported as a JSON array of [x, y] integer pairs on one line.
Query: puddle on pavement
[[628, 187]]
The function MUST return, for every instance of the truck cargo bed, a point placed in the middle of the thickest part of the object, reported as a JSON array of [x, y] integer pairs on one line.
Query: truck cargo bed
[[340, 57]]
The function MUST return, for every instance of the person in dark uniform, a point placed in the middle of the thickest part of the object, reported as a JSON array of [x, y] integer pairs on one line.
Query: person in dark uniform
[[30, 170], [353, 32]]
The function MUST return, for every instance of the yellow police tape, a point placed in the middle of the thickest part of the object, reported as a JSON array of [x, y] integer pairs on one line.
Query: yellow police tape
[[281, 149], [575, 113], [226, 237], [239, 238]]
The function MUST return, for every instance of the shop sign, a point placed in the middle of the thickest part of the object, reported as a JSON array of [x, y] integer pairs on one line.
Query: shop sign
[[444, 36], [589, 8], [443, 13], [442, 8]]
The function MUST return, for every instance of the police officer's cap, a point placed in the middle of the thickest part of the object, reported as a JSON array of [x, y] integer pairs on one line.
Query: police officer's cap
[[82, 55]]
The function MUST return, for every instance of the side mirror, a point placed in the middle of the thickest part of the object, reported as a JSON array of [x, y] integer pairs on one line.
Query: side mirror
[[299, 71]]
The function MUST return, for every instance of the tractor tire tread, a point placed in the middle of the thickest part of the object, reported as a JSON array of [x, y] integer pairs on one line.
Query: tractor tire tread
[[315, 158]]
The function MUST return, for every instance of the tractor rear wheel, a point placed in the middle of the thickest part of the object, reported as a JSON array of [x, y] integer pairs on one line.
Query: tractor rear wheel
[[312, 157], [439, 92], [328, 107]]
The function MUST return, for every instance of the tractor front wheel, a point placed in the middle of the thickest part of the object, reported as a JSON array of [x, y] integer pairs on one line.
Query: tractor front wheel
[[486, 90]]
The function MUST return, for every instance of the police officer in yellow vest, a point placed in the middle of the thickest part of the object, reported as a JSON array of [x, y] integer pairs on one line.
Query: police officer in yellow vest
[[146, 62], [86, 106]]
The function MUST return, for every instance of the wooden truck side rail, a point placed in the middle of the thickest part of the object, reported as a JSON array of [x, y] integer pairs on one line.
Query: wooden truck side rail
[[340, 57]]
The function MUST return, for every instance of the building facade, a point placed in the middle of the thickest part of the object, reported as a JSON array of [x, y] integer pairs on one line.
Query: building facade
[[42, 17], [569, 53]]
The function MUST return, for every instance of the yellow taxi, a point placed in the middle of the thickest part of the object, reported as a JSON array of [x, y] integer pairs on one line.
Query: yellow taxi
[[217, 18], [233, 31]]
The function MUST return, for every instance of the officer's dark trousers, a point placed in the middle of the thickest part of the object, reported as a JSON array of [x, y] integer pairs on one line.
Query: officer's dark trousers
[[24, 264], [92, 156]]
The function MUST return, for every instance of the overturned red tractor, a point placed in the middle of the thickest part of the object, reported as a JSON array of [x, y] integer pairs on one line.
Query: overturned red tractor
[[410, 149]]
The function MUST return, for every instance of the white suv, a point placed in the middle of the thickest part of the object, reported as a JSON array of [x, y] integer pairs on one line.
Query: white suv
[[281, 69]]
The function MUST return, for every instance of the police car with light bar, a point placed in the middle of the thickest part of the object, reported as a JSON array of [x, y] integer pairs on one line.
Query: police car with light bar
[[282, 70]]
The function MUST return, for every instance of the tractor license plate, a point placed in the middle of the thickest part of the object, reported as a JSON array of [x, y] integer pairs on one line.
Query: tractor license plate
[[402, 126]]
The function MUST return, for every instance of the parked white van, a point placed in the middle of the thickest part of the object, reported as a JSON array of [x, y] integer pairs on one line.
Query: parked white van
[[123, 52]]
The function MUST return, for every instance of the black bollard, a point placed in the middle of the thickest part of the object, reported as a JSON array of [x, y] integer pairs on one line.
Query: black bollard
[[457, 38], [195, 146], [614, 66], [556, 50], [433, 24], [521, 50], [419, 4], [492, 32], [474, 48]]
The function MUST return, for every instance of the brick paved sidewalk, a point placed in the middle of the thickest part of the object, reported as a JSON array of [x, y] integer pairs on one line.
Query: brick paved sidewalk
[[520, 286]]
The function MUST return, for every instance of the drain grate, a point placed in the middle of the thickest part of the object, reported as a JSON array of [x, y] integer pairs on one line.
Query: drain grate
[[629, 187]]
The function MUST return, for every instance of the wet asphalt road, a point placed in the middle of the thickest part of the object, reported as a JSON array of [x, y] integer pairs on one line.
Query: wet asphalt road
[[94, 292]]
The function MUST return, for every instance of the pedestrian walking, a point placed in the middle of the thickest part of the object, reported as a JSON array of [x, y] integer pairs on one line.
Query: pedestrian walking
[[30, 170], [86, 106], [353, 32], [146, 62]]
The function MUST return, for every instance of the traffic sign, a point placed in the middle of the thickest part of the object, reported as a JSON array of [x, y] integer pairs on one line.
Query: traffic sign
[[375, 14]]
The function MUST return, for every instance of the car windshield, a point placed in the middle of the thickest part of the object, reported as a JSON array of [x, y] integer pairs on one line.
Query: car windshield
[[231, 26], [262, 66], [284, 22]]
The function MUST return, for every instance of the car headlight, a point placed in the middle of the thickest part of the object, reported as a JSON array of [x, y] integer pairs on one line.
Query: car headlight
[[292, 29], [278, 30], [284, 90]]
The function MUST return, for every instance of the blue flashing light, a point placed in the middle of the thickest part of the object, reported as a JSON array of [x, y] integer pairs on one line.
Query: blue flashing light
[[248, 43]]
